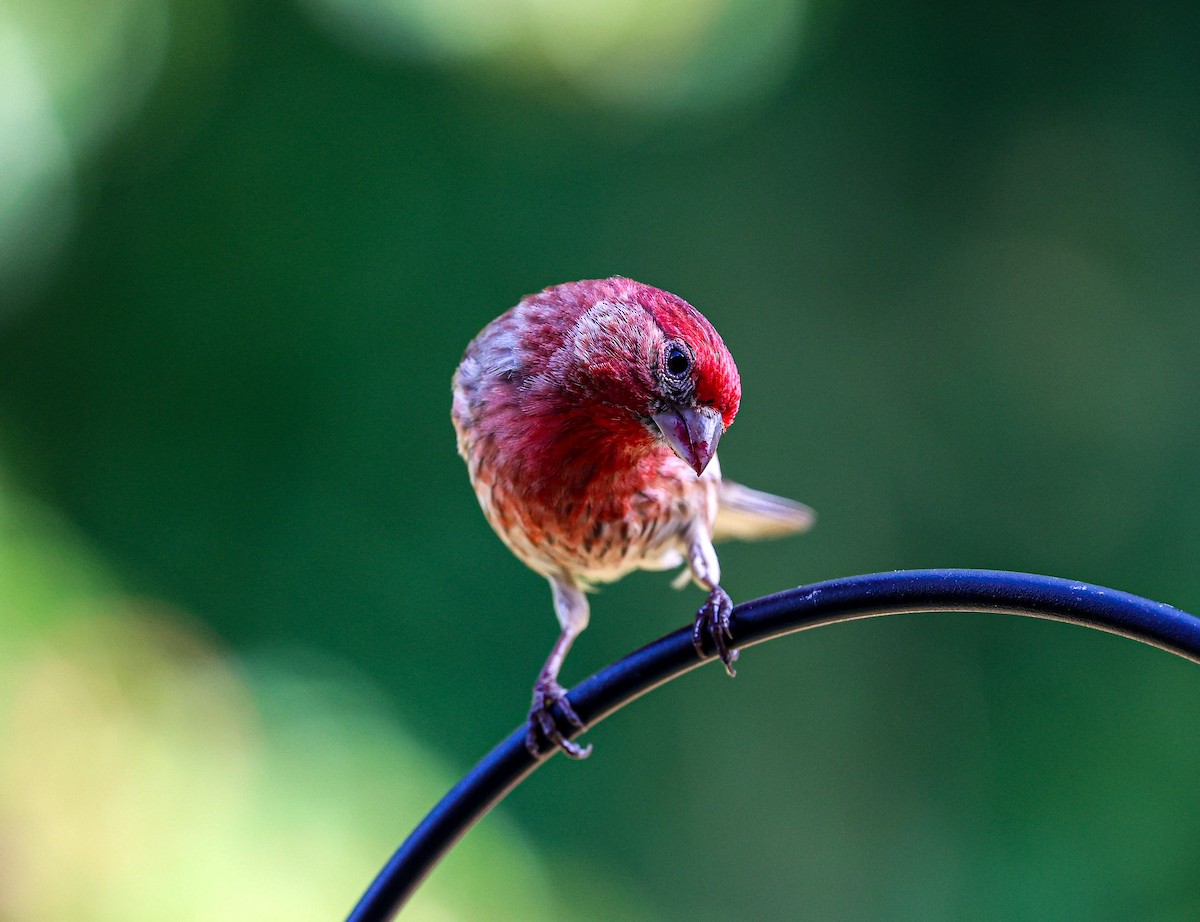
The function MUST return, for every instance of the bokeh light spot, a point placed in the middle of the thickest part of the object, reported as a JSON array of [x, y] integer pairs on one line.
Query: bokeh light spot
[[668, 56]]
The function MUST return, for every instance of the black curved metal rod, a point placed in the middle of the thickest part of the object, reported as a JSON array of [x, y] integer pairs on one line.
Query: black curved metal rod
[[754, 622]]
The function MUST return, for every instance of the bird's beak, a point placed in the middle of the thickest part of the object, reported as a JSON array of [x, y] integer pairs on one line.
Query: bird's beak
[[692, 433]]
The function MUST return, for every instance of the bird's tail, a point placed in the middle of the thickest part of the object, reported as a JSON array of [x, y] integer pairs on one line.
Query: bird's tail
[[749, 515]]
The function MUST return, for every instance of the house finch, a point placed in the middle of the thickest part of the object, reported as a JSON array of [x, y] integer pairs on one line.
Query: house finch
[[588, 416]]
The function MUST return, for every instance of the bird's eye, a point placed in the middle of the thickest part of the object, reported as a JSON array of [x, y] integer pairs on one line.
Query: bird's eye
[[677, 360]]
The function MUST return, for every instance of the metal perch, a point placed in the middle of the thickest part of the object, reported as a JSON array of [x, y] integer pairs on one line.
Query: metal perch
[[754, 622]]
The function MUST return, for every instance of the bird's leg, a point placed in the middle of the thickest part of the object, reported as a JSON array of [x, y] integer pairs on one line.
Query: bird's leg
[[571, 606], [714, 614], [546, 693]]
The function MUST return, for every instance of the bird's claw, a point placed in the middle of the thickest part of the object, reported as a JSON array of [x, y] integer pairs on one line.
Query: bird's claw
[[713, 616], [542, 725]]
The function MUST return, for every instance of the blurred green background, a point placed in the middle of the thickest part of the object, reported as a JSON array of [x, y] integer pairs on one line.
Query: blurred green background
[[252, 623]]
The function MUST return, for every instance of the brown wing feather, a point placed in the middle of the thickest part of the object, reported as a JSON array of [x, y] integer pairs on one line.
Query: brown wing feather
[[749, 515]]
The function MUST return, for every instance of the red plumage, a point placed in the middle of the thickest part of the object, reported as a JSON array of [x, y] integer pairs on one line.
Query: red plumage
[[588, 416]]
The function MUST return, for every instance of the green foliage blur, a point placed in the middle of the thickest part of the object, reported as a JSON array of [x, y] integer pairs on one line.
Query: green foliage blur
[[252, 623]]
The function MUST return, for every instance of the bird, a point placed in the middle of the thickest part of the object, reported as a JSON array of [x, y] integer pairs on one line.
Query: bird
[[588, 416]]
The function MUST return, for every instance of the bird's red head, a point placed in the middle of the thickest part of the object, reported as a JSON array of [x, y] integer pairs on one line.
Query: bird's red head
[[632, 355]]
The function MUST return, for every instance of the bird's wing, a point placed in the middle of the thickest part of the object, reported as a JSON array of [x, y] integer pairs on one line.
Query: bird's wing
[[748, 514]]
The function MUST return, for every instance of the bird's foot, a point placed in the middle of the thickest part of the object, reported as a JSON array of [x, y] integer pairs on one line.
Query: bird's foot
[[542, 725], [713, 616]]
